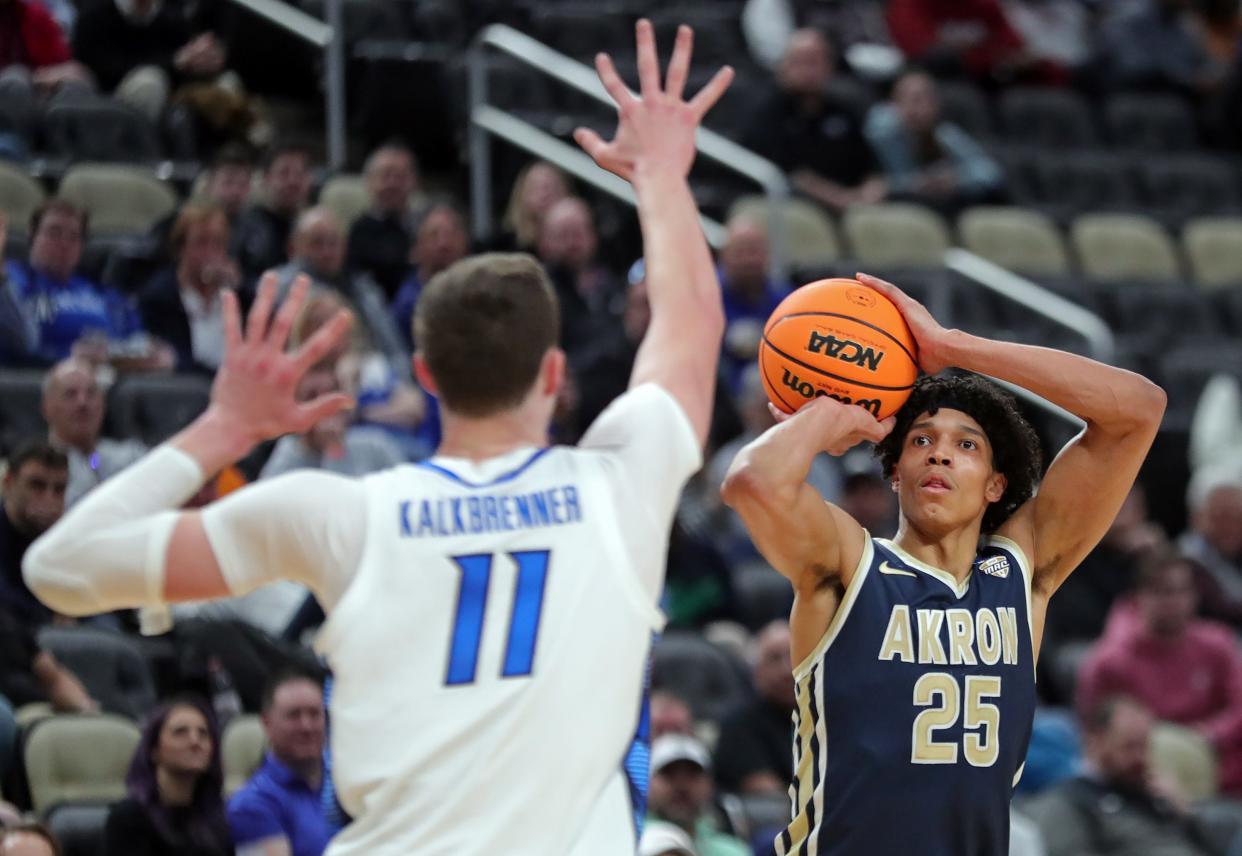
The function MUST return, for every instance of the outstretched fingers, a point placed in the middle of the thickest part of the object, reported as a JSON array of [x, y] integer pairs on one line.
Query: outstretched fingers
[[679, 65], [232, 321], [261, 311], [612, 81], [591, 142], [289, 310], [326, 339], [320, 408], [707, 97], [648, 62]]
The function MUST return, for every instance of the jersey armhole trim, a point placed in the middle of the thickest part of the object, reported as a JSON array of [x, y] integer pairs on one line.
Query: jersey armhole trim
[[1028, 576], [331, 629], [843, 611]]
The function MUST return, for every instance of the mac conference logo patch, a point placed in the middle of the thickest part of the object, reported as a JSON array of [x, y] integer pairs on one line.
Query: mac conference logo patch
[[997, 566]]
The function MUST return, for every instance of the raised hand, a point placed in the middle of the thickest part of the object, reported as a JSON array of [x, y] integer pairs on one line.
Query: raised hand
[[254, 390], [846, 425], [930, 336], [657, 128]]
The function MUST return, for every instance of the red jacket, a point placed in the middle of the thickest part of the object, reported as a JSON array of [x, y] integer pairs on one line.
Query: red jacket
[[915, 26], [40, 41]]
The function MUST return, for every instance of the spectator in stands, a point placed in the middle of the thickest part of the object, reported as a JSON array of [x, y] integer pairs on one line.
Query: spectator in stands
[[30, 674], [174, 807], [752, 753], [538, 187], [590, 296], [750, 296], [664, 839], [140, 50], [865, 495], [261, 236], [73, 406], [35, 57], [379, 240], [1117, 806], [28, 838], [1158, 45], [1214, 540], [972, 37], [1187, 670], [682, 794], [926, 158], [64, 313], [669, 714], [442, 240], [812, 134], [34, 499], [279, 809], [331, 444], [226, 183], [181, 304]]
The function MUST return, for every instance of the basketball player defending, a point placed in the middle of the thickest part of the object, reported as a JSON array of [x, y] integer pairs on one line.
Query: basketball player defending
[[916, 657], [490, 610]]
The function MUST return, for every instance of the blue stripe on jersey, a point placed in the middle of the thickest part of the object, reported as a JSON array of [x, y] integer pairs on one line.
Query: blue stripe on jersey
[[637, 762], [333, 812], [500, 479]]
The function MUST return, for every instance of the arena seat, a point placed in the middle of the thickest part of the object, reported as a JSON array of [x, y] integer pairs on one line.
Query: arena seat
[[241, 751], [121, 199], [1185, 370], [1046, 118], [1213, 248], [812, 237], [1186, 757], [346, 195], [1119, 247], [896, 234], [154, 407], [91, 128], [1150, 122], [705, 676], [1022, 240], [717, 33], [583, 29], [79, 828], [73, 758], [20, 195], [966, 106], [1067, 183], [1178, 187], [21, 391], [108, 664]]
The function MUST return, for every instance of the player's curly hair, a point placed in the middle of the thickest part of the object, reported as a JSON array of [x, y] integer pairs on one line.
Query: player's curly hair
[[1016, 452]]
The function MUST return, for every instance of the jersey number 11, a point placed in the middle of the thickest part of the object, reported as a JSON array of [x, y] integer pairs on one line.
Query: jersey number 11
[[476, 575]]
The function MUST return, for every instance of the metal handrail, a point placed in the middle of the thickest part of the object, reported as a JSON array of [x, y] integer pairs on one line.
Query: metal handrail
[[328, 37], [534, 53]]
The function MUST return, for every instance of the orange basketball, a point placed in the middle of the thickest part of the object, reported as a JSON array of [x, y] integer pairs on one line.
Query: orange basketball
[[838, 338]]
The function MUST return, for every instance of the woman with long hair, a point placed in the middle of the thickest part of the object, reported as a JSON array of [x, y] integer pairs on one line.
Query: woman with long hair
[[175, 806]]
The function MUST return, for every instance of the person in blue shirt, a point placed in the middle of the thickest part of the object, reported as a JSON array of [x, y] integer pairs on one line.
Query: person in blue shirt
[[749, 295], [279, 811], [64, 314], [441, 240]]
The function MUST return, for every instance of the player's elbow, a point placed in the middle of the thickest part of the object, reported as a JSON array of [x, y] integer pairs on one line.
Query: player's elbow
[[746, 487], [50, 577]]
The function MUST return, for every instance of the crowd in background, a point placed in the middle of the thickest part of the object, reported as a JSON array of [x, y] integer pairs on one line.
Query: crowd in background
[[1141, 668]]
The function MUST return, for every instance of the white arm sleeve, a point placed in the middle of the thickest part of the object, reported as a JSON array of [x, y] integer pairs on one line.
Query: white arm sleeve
[[307, 526], [107, 552], [651, 449]]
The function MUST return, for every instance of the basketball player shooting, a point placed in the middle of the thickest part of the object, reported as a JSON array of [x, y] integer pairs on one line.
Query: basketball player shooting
[[490, 610], [916, 657]]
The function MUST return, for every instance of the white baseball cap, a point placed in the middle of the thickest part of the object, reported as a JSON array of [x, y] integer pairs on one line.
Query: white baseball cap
[[660, 839], [678, 747]]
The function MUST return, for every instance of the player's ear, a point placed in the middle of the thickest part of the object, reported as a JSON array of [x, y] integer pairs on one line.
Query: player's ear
[[895, 482], [552, 372], [422, 374], [995, 487]]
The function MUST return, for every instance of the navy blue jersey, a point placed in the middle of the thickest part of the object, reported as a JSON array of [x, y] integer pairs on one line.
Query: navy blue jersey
[[914, 710]]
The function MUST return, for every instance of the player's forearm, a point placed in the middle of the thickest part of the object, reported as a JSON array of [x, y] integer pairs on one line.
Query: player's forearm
[[774, 466], [1105, 397], [213, 442]]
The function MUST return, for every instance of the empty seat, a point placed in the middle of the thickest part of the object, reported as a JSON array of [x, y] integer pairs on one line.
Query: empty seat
[[1069, 183], [1047, 118], [1151, 122], [120, 199], [1119, 247], [1019, 239], [108, 664], [347, 196], [810, 235], [1184, 756], [717, 33], [99, 129], [20, 195], [153, 408], [1213, 247], [1185, 370], [1179, 187], [1158, 314], [241, 750], [582, 30], [21, 390], [966, 106], [74, 758], [79, 828], [896, 234], [710, 680]]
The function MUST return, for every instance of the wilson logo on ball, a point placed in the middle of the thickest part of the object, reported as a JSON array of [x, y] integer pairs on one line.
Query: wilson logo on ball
[[808, 390], [844, 350]]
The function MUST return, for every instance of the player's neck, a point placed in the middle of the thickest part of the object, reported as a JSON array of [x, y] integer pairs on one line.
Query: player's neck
[[952, 552], [490, 437]]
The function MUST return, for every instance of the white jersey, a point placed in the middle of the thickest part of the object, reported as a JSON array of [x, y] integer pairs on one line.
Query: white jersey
[[489, 651]]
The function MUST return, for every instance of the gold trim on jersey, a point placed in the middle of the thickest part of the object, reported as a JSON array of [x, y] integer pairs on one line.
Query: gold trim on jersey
[[943, 576], [1028, 578], [810, 760], [843, 610]]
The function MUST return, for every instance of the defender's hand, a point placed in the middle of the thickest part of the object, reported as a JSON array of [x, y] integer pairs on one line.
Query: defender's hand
[[658, 127], [254, 389], [931, 338]]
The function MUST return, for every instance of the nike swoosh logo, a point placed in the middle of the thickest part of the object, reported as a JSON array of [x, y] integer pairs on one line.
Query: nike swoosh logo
[[886, 568]]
